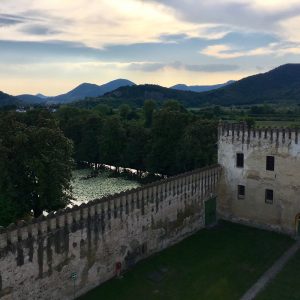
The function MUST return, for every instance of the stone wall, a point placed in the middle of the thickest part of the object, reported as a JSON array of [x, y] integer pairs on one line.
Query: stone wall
[[38, 259], [284, 145]]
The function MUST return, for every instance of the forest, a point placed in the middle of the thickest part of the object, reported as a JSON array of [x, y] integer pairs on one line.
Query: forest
[[40, 147]]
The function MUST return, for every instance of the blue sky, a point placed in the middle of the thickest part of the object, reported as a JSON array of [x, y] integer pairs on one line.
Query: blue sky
[[52, 46]]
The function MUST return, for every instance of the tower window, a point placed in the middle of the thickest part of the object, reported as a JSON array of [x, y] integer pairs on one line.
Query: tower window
[[240, 160], [269, 195], [241, 191], [270, 162]]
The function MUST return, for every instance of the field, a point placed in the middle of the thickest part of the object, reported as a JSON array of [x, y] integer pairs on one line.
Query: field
[[286, 286], [100, 186], [219, 263]]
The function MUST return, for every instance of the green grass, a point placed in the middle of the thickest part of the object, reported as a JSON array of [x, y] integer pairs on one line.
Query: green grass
[[286, 286], [220, 263], [278, 124]]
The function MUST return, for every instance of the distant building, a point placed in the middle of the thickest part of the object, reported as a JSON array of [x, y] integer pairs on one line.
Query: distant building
[[260, 184], [21, 110]]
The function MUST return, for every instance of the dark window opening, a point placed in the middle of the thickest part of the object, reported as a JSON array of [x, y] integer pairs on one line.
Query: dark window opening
[[269, 196], [240, 160], [241, 191], [270, 163]]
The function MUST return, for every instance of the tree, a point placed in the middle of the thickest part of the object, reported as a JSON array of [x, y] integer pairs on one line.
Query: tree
[[149, 107], [35, 165], [124, 111], [136, 147], [112, 142], [198, 145], [168, 127]]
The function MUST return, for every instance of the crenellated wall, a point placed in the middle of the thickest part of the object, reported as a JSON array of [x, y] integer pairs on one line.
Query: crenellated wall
[[280, 214], [38, 259]]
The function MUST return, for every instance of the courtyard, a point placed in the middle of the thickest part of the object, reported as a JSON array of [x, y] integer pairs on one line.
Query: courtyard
[[218, 263]]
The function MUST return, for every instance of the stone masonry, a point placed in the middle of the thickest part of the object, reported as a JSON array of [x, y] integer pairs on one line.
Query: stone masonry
[[255, 193], [88, 243]]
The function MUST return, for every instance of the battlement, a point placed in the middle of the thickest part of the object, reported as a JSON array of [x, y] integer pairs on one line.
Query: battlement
[[201, 181], [240, 132]]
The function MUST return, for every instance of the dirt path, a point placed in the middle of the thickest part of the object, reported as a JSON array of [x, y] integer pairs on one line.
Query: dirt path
[[271, 273]]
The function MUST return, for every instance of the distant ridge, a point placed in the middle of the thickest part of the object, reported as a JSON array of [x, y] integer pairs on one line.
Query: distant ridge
[[80, 92], [280, 85], [90, 90], [31, 99], [200, 88], [8, 100], [41, 96]]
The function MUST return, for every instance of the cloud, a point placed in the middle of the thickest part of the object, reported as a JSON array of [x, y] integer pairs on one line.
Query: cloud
[[100, 23], [198, 41], [212, 68], [228, 52], [8, 20], [154, 67], [251, 14], [39, 30]]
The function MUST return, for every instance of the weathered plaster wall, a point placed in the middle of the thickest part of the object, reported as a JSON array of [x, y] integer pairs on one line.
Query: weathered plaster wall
[[284, 145], [37, 259]]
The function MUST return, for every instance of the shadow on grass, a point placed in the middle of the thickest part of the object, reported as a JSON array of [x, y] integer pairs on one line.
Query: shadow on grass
[[218, 263]]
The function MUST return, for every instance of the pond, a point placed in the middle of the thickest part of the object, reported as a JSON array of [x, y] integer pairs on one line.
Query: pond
[[85, 190]]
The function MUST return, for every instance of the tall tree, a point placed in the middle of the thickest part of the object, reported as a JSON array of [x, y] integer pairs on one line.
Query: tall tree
[[149, 107], [137, 142], [35, 165], [112, 142], [167, 131]]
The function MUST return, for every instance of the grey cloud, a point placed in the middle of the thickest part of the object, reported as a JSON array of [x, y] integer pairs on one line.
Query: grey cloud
[[173, 37], [229, 13], [39, 30], [146, 67], [210, 68], [7, 20]]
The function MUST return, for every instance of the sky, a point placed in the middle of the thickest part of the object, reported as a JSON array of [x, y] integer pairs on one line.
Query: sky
[[51, 46]]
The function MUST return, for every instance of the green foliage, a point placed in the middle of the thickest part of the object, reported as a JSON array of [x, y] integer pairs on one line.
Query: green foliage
[[124, 111], [112, 141], [35, 165], [136, 149], [198, 144], [149, 107], [159, 141], [168, 128]]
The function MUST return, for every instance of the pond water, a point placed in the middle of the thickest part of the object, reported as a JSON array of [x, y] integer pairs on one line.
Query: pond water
[[97, 187]]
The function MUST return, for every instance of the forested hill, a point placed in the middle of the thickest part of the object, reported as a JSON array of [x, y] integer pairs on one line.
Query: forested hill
[[136, 95], [7, 100], [280, 85]]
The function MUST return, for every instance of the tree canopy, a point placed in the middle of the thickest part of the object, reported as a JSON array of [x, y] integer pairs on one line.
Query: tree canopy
[[35, 165]]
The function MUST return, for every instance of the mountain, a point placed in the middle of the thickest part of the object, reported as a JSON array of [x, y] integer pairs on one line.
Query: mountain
[[8, 100], [136, 95], [31, 99], [42, 96], [280, 85], [200, 88], [82, 91], [85, 90]]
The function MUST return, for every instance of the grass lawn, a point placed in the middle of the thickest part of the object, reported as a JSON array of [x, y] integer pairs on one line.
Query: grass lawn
[[219, 263], [286, 286]]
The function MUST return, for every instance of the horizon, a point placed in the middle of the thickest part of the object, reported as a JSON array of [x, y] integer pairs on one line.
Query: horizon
[[51, 48]]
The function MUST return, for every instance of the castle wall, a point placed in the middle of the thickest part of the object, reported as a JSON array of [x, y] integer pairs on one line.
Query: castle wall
[[284, 145], [37, 260]]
